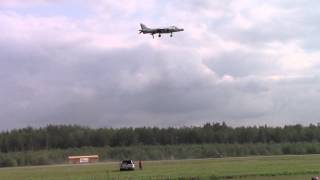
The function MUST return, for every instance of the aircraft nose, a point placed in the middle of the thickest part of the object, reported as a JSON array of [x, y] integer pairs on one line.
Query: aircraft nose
[[182, 29]]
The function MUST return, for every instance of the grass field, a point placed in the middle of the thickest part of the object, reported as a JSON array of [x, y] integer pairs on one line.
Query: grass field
[[246, 168]]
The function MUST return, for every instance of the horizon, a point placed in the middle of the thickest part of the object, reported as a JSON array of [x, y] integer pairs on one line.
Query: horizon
[[164, 127]]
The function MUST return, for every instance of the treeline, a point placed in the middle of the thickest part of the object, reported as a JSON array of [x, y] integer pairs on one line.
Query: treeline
[[156, 152], [72, 136]]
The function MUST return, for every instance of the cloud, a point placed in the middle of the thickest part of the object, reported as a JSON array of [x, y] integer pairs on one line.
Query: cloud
[[19, 3], [244, 63]]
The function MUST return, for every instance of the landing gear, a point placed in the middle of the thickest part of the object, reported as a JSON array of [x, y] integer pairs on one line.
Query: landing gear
[[152, 36], [171, 35], [159, 35]]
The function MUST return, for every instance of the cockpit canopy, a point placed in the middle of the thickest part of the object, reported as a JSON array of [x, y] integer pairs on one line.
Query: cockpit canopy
[[173, 27]]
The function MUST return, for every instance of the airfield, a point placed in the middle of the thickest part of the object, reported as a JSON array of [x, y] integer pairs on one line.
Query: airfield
[[244, 168]]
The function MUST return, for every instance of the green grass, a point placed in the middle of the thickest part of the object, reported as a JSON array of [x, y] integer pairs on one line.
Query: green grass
[[247, 168]]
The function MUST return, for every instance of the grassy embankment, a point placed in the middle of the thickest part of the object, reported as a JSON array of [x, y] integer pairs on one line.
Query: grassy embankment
[[246, 168], [157, 152]]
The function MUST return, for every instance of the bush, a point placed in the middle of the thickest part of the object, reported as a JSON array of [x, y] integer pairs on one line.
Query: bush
[[8, 162], [42, 160]]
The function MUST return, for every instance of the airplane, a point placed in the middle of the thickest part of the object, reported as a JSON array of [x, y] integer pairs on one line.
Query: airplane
[[145, 30]]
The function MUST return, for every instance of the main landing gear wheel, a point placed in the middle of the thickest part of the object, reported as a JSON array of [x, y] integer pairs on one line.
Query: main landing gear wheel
[[159, 35]]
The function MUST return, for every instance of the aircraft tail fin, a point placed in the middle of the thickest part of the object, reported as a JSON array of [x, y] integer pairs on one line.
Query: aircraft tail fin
[[143, 27]]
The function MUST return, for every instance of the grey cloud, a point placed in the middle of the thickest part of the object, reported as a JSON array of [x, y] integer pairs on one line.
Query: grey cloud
[[106, 94], [241, 64], [297, 100]]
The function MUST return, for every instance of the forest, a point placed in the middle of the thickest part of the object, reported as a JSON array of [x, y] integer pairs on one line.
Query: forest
[[54, 143], [73, 136]]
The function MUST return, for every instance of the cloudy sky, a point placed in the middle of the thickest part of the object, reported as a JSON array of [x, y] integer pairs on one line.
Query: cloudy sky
[[245, 62]]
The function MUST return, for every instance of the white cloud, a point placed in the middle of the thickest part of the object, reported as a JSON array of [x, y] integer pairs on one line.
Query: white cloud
[[24, 3]]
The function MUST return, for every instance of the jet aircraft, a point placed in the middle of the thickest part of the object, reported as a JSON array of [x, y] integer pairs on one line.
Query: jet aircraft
[[145, 30]]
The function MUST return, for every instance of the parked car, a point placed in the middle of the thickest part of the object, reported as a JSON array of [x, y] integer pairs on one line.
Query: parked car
[[127, 165]]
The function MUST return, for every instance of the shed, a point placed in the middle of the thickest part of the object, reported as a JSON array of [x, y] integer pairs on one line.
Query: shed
[[83, 159]]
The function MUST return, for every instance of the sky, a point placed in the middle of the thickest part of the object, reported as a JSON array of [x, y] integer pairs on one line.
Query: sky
[[248, 62]]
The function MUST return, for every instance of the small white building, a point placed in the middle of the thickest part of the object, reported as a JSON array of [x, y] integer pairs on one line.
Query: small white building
[[83, 159]]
